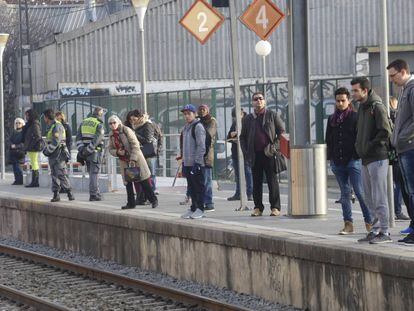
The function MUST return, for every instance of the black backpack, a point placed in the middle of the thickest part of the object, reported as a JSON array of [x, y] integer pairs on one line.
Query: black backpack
[[208, 136]]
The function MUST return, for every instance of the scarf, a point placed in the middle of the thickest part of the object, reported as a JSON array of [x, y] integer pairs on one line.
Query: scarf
[[119, 146], [339, 116], [205, 118]]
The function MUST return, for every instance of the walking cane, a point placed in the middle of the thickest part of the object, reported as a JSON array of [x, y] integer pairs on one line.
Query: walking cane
[[176, 174]]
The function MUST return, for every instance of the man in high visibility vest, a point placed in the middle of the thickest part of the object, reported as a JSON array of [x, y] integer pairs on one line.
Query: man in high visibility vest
[[57, 152], [89, 141]]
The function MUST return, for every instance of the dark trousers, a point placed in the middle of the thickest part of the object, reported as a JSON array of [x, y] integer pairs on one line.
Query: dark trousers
[[264, 164], [144, 189], [406, 161], [400, 192], [18, 173], [195, 185]]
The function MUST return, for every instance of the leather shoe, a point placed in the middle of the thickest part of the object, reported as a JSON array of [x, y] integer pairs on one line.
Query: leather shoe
[[94, 198], [233, 198]]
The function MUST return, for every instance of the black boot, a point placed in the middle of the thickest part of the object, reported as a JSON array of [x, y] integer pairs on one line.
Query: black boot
[[131, 197], [56, 197], [149, 193], [35, 180], [71, 197], [141, 199]]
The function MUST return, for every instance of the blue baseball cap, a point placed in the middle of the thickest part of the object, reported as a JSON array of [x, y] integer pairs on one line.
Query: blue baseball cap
[[189, 108]]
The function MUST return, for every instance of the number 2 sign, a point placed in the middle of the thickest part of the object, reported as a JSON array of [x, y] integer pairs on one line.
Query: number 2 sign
[[202, 20], [262, 17]]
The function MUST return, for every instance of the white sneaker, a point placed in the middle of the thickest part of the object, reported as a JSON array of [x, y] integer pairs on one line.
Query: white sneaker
[[197, 214], [188, 214]]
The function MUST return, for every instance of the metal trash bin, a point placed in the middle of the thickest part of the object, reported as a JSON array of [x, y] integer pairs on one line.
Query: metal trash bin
[[308, 181]]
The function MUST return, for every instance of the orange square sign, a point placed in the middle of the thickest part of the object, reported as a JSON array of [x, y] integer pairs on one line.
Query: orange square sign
[[202, 20], [262, 17]]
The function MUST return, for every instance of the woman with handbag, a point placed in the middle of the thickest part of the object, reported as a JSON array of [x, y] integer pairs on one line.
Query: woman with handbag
[[33, 144], [16, 152], [134, 169], [145, 131]]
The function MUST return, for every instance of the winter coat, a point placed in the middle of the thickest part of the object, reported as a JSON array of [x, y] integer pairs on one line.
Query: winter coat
[[132, 147], [194, 149], [32, 137], [233, 128], [403, 135], [272, 125], [374, 131], [340, 140], [146, 134], [210, 125], [16, 155]]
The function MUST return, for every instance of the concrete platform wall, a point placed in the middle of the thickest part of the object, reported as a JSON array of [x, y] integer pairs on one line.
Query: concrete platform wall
[[282, 267]]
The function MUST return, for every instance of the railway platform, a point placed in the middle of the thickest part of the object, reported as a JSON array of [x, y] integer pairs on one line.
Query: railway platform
[[295, 261]]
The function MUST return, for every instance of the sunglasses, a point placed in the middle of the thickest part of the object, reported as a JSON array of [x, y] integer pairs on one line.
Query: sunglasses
[[257, 98], [393, 75]]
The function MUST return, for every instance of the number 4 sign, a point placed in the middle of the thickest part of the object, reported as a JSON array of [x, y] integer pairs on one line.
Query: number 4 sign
[[262, 17], [202, 20]]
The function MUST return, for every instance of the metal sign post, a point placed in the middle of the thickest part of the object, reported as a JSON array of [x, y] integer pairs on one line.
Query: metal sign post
[[3, 41], [236, 82], [386, 97]]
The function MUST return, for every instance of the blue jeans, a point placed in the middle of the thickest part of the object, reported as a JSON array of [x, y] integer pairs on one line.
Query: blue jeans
[[248, 175], [152, 165], [406, 160], [208, 184], [18, 173], [397, 199], [348, 175]]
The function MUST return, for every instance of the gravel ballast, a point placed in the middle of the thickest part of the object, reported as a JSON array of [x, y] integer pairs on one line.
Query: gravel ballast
[[222, 294]]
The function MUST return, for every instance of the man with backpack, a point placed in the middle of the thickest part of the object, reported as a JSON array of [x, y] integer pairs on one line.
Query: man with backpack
[[372, 145], [210, 125], [193, 152], [403, 135]]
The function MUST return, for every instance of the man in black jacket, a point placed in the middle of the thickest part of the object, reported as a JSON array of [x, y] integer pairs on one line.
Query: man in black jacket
[[259, 141], [372, 145]]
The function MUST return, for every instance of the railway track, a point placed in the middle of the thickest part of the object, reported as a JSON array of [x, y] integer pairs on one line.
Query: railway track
[[40, 282]]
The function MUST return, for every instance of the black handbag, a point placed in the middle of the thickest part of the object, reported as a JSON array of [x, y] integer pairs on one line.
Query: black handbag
[[280, 163], [149, 150], [132, 174]]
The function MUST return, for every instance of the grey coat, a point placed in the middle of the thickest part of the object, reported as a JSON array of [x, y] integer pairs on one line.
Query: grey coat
[[403, 136], [194, 149]]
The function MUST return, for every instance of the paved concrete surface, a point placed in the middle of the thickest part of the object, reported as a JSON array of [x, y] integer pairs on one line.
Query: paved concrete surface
[[280, 259], [169, 198]]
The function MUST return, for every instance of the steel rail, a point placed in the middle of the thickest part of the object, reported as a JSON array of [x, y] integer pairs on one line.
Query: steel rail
[[100, 275], [30, 300]]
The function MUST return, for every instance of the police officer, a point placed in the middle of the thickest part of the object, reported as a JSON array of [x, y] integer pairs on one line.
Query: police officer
[[57, 152], [89, 141]]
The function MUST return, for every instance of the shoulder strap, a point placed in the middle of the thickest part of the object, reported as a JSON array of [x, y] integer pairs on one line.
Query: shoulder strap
[[193, 129]]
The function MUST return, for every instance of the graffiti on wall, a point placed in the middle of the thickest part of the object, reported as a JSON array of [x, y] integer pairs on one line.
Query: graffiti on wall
[[82, 92]]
